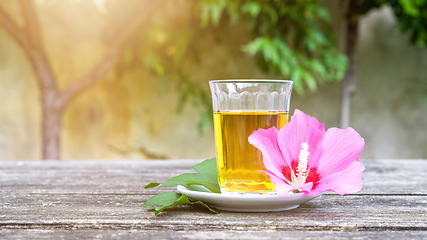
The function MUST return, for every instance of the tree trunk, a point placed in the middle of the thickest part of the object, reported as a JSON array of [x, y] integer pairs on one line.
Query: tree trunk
[[46, 81], [349, 81], [51, 133], [51, 111], [53, 101]]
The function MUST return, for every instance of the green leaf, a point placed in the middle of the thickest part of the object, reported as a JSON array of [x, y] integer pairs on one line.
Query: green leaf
[[268, 49], [233, 11], [211, 11], [162, 199], [296, 77], [253, 47], [322, 13], [252, 8], [208, 169], [409, 7], [272, 12], [310, 81], [168, 199], [151, 185], [284, 68], [205, 205], [318, 68], [207, 176]]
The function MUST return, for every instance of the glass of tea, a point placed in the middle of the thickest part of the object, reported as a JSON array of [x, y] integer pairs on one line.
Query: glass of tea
[[240, 108]]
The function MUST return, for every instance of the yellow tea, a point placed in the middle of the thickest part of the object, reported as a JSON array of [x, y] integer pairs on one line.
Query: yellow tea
[[239, 162]]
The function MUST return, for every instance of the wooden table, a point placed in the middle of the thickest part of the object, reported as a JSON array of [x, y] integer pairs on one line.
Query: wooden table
[[104, 199]]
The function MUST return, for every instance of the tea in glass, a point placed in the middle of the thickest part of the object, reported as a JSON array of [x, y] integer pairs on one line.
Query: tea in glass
[[239, 163], [240, 108]]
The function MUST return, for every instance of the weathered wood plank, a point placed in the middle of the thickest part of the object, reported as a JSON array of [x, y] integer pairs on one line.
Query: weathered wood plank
[[327, 212], [131, 234], [380, 176], [79, 198]]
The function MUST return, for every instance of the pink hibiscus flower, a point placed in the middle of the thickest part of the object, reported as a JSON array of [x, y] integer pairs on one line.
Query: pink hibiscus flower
[[303, 156]]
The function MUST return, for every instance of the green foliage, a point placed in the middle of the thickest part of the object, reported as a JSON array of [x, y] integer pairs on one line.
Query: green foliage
[[299, 48], [412, 17], [207, 176], [291, 38], [168, 199], [164, 49]]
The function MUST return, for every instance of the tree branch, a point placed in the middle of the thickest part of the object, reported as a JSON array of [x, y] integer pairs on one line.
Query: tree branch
[[111, 57], [14, 31], [37, 56], [31, 23], [28, 37]]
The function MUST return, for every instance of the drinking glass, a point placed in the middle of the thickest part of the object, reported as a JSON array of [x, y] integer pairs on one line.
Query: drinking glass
[[240, 108]]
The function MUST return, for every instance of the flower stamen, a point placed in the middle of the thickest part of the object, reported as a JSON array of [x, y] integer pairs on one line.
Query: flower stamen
[[302, 165]]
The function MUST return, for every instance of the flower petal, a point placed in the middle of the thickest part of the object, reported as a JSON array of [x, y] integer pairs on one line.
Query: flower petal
[[280, 185], [305, 188], [344, 182], [340, 149], [302, 128], [266, 141]]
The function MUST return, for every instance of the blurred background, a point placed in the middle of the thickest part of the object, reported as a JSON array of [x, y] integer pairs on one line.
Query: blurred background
[[128, 79]]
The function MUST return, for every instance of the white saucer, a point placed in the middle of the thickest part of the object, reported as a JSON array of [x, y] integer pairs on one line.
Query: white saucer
[[245, 202]]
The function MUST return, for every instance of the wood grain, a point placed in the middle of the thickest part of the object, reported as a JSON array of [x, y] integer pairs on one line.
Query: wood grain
[[93, 199]]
